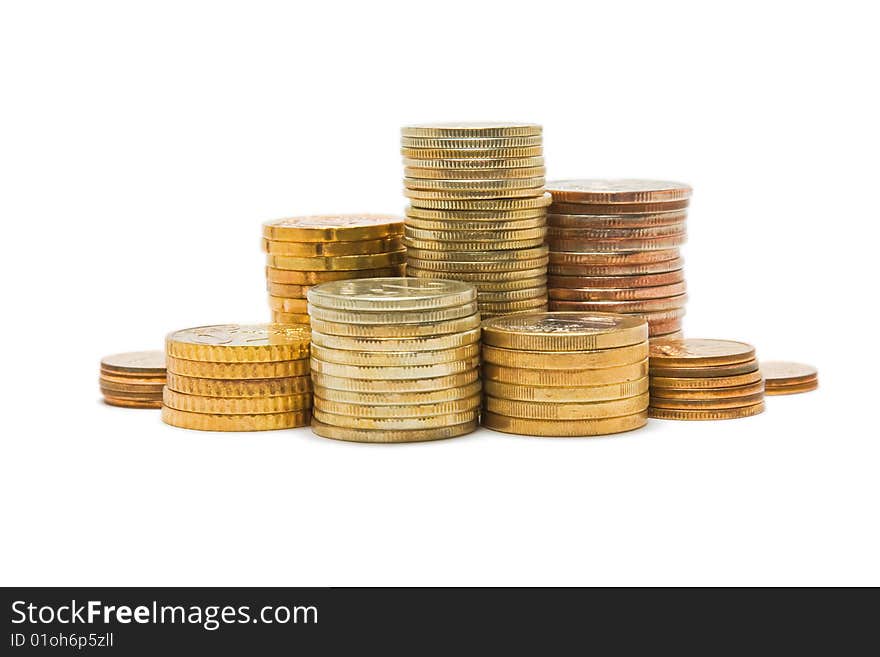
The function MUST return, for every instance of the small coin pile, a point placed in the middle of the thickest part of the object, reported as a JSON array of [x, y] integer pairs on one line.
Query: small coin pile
[[565, 373], [305, 251], [693, 379], [134, 379], [238, 378], [395, 359], [785, 378], [614, 246], [478, 210]]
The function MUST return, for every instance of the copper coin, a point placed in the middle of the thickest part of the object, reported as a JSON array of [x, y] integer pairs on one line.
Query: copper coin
[[135, 362], [616, 270], [701, 383], [589, 257], [619, 282], [612, 221], [699, 352], [640, 306], [618, 190], [707, 404], [616, 246], [704, 372], [777, 372], [792, 389], [128, 403], [705, 414], [616, 208], [729, 392], [667, 329], [602, 234], [616, 294]]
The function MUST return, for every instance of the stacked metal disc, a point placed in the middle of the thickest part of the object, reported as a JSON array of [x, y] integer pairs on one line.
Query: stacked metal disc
[[614, 246], [787, 378], [565, 373], [478, 209], [694, 379], [238, 378], [395, 359], [305, 251], [134, 379]]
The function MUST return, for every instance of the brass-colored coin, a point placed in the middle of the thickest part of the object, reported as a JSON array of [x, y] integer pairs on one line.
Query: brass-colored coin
[[251, 422], [395, 386], [565, 378], [428, 316], [563, 360], [471, 129], [695, 352], [706, 404], [338, 263], [469, 142], [474, 164], [468, 188], [132, 396], [394, 359], [279, 317], [471, 230], [475, 215], [389, 412], [640, 306], [319, 249], [478, 255], [133, 379], [212, 370], [662, 316], [596, 209], [287, 291], [505, 296], [388, 398], [498, 280], [135, 362], [620, 190], [480, 235], [285, 305], [702, 414], [417, 195], [480, 153], [414, 174], [432, 371], [496, 308], [454, 268], [575, 393], [392, 295], [563, 428], [712, 371], [596, 257], [386, 436], [616, 282], [527, 287], [397, 331], [565, 332], [239, 343], [778, 372], [617, 221], [673, 264], [395, 423], [236, 405], [331, 228], [793, 388], [420, 344], [240, 388], [702, 383], [483, 205], [730, 392], [613, 234], [567, 410], [292, 277], [616, 246], [459, 247], [128, 403], [616, 294], [138, 388]]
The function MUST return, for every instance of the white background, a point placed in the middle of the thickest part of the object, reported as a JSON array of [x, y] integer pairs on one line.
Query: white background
[[144, 143]]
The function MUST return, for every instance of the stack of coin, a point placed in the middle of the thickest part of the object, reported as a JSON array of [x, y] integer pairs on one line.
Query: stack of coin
[[395, 359], [694, 379], [784, 378], [614, 246], [133, 379], [305, 251], [565, 373], [478, 210], [238, 378]]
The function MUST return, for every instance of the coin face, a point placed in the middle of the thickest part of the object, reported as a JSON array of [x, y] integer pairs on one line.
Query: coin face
[[143, 362], [322, 228], [694, 352], [778, 372], [564, 331], [618, 190], [374, 294], [238, 343]]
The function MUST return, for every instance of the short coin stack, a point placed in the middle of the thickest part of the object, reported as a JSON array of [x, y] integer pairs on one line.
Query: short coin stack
[[784, 378], [614, 246], [238, 378], [134, 379], [395, 359], [693, 379], [305, 251], [478, 210], [565, 373]]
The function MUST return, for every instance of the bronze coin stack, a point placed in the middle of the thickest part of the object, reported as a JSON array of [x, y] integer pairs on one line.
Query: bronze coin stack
[[614, 247], [787, 378], [134, 379], [306, 251], [478, 210]]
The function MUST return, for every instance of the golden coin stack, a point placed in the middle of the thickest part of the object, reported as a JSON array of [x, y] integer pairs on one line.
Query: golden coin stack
[[614, 246], [306, 251], [238, 378], [478, 210], [565, 373], [134, 379], [395, 359], [694, 379], [785, 378]]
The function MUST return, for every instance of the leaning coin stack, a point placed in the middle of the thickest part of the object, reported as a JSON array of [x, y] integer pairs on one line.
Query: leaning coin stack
[[238, 378], [565, 373], [395, 359], [478, 209], [694, 379], [133, 379], [785, 378], [305, 251], [614, 246]]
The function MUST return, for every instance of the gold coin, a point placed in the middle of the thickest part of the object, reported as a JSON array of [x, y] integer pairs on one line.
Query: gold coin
[[713, 371], [471, 230], [661, 317], [459, 247], [471, 129], [575, 269], [285, 305], [563, 428], [539, 212], [386, 436], [292, 277], [469, 142], [708, 393], [480, 235], [432, 371], [474, 164], [157, 380], [699, 383], [395, 359], [778, 372], [135, 362], [616, 282], [619, 190], [616, 294], [453, 268], [413, 174], [318, 249], [331, 228], [576, 393], [793, 388], [393, 317], [493, 308], [488, 188], [141, 388], [240, 388], [287, 291], [564, 332], [250, 422], [132, 396], [502, 296], [616, 246], [239, 343], [480, 153], [290, 318], [398, 331], [392, 295], [211, 370], [640, 306], [338, 263], [128, 403], [528, 287], [494, 280], [389, 412], [366, 344], [236, 405], [591, 235], [617, 221], [700, 414], [706, 404], [565, 378], [694, 352], [418, 195], [562, 360], [478, 255], [568, 410], [389, 398], [395, 386], [482, 205], [597, 209], [396, 424]]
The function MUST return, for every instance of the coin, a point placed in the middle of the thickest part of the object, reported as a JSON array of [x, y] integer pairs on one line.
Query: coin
[[574, 393], [395, 423], [288, 291], [128, 403], [132, 396], [244, 388], [616, 282], [476, 215], [492, 308], [338, 263], [614, 258], [617, 294], [414, 174], [239, 343], [706, 404], [141, 388], [503, 264], [388, 412], [476, 129], [640, 306], [499, 280], [563, 360], [613, 234], [285, 305], [392, 294], [700, 414], [318, 249], [212, 370], [388, 398], [480, 153], [398, 331], [777, 372], [567, 411], [617, 221], [512, 295], [366, 344], [468, 188], [479, 235], [389, 372], [396, 386], [563, 428], [279, 317], [391, 436], [564, 332], [565, 378], [470, 142], [251, 422], [458, 247], [472, 228], [292, 277], [673, 264], [330, 228], [792, 388], [417, 196], [236, 405], [616, 246], [157, 380], [691, 383], [428, 316], [708, 393], [713, 371], [495, 204], [619, 190], [596, 209], [392, 358], [694, 352], [135, 362], [478, 255]]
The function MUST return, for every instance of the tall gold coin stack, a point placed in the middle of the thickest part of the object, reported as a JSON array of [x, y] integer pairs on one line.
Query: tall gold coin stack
[[395, 359], [614, 246], [693, 379], [565, 373], [478, 210], [306, 251], [238, 378], [134, 379]]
